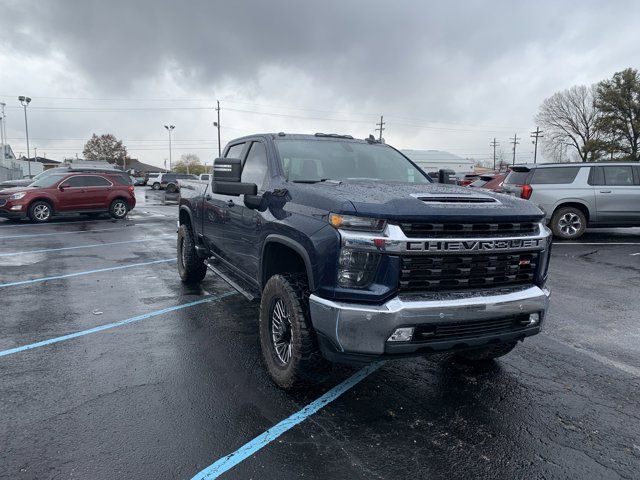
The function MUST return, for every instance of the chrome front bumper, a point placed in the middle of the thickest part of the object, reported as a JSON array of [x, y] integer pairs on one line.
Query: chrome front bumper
[[364, 329]]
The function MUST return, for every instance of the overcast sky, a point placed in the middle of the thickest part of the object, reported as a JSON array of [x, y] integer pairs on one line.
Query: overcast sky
[[446, 75]]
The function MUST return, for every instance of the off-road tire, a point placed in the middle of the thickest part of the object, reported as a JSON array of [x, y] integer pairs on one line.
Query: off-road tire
[[572, 230], [118, 209], [191, 267], [171, 188], [306, 366], [486, 354], [155, 186], [36, 208]]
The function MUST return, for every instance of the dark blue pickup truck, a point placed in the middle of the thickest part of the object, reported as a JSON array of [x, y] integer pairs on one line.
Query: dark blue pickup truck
[[356, 255]]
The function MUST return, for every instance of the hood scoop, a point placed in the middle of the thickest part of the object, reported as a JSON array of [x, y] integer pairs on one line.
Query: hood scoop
[[454, 198]]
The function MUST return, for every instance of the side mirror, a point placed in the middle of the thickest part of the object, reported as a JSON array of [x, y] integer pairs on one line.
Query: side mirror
[[445, 176], [226, 178], [61, 187]]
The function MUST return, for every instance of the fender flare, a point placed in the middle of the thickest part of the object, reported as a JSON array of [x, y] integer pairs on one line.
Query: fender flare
[[187, 210], [295, 246]]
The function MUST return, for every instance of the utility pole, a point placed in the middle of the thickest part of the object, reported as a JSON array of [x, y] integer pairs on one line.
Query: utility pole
[[380, 127], [217, 125], [494, 144], [169, 129], [537, 134], [3, 138], [514, 142], [24, 101]]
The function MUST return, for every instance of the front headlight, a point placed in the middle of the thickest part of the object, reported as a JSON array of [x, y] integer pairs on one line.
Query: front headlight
[[17, 196], [357, 269], [351, 222]]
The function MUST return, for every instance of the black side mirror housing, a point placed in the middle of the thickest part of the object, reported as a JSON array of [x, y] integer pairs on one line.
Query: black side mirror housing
[[445, 176], [226, 178]]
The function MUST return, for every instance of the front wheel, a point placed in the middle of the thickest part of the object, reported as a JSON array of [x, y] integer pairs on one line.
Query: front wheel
[[172, 188], [289, 345], [118, 209], [40, 211], [568, 223], [191, 267], [155, 186]]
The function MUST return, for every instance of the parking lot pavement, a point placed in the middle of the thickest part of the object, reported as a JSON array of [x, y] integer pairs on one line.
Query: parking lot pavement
[[113, 369]]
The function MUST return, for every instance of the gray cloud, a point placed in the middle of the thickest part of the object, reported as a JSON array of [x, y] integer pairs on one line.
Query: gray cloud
[[472, 62]]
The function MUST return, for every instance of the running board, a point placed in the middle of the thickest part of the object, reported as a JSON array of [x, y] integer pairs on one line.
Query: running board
[[226, 278]]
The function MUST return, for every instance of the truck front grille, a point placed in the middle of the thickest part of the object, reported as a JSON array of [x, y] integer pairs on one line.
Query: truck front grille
[[466, 230], [455, 272], [462, 330]]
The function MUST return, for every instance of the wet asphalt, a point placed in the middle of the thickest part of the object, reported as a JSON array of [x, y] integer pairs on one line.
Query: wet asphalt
[[168, 394]]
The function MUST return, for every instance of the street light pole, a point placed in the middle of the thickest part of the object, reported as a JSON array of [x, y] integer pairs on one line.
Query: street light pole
[[2, 131], [24, 101], [217, 125], [169, 129]]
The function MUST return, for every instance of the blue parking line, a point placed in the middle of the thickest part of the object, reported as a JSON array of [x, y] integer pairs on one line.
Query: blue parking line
[[47, 250], [101, 328], [87, 272], [227, 463], [6, 237]]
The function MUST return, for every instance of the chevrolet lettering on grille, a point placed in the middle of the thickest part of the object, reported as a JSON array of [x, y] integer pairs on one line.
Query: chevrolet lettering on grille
[[474, 245]]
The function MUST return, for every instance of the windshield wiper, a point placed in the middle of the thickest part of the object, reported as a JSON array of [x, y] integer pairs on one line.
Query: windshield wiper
[[315, 181]]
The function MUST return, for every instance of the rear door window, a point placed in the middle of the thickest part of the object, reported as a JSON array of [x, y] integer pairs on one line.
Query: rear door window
[[556, 175], [96, 181], [618, 175]]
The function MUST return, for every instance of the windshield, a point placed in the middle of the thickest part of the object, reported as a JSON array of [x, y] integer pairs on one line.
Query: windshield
[[48, 180], [318, 160]]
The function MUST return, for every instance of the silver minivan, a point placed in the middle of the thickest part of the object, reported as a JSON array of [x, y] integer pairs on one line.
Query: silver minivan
[[575, 196]]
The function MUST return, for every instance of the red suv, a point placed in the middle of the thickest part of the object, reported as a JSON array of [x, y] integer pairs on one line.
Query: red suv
[[69, 192]]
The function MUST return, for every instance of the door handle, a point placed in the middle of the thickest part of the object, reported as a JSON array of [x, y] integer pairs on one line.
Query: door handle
[[230, 203], [605, 191]]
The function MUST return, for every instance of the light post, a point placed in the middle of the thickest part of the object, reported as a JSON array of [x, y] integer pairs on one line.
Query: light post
[[3, 135], [169, 128], [24, 101]]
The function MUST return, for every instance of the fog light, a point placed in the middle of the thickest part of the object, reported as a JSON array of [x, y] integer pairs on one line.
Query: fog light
[[16, 207], [403, 334], [534, 319]]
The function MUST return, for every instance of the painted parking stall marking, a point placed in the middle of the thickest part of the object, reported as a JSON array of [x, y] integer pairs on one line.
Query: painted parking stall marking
[[97, 230], [227, 463], [87, 272], [108, 326], [95, 245]]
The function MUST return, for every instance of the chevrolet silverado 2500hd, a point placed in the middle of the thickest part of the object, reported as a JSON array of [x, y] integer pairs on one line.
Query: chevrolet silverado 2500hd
[[356, 255]]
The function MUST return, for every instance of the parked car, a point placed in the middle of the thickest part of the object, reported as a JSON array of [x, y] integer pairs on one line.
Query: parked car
[[579, 195], [468, 178], [139, 180], [154, 180], [27, 181], [169, 181], [69, 192], [492, 181], [356, 255]]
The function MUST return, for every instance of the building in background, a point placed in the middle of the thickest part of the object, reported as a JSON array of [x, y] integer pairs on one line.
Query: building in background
[[433, 160]]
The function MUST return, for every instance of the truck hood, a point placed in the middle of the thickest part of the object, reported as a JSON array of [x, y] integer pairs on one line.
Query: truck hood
[[404, 201]]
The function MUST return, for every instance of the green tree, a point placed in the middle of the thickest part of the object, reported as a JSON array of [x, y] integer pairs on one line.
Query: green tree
[[105, 147], [618, 101], [190, 163]]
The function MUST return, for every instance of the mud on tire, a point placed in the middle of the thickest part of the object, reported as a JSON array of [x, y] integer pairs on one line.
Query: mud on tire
[[191, 267], [305, 365]]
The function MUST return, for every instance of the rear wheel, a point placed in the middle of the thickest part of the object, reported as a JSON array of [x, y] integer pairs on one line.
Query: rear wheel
[[156, 186], [118, 209], [40, 211], [191, 267], [486, 354], [289, 345], [568, 223]]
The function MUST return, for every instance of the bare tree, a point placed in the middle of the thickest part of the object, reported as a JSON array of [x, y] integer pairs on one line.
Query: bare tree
[[569, 118]]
